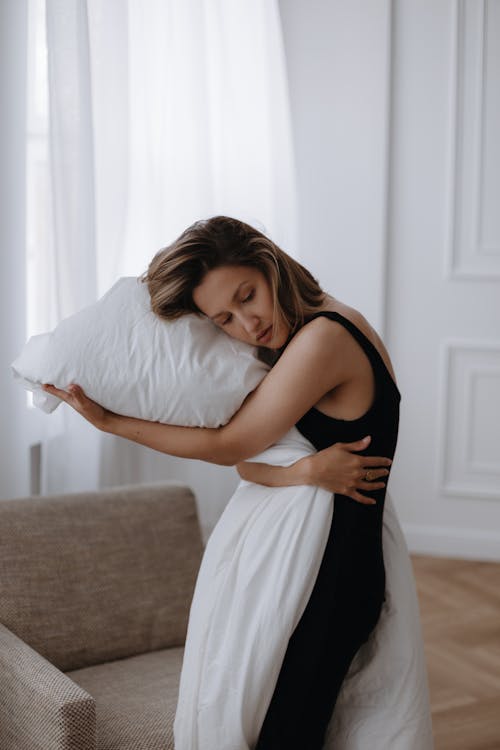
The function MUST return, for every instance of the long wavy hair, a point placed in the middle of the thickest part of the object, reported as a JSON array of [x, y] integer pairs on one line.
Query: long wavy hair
[[176, 270]]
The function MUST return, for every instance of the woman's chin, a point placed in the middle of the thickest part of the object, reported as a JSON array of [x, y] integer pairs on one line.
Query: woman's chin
[[276, 342]]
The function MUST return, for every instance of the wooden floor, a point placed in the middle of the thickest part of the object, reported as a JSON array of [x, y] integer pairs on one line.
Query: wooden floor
[[460, 612]]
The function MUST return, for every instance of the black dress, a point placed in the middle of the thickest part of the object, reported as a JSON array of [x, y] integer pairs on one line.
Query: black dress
[[347, 597]]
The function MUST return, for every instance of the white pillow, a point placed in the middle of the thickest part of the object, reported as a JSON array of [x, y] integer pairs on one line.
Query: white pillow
[[185, 372]]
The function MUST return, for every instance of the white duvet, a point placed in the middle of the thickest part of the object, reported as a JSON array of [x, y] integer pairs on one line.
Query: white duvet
[[257, 573]]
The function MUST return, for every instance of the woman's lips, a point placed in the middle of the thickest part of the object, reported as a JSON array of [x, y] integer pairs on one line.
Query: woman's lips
[[266, 335]]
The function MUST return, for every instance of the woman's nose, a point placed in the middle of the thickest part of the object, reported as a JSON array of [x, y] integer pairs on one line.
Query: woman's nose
[[251, 323]]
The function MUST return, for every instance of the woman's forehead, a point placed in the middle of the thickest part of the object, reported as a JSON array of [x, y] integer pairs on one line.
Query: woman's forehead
[[220, 286]]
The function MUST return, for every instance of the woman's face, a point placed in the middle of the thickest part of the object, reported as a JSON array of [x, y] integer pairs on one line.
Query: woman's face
[[239, 300]]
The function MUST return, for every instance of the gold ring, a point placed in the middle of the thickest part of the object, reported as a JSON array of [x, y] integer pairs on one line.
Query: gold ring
[[368, 476]]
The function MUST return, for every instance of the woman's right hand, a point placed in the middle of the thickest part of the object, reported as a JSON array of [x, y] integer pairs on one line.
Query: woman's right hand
[[75, 397], [340, 469]]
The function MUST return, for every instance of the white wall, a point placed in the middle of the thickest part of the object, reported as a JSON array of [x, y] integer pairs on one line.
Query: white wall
[[377, 114], [338, 68], [444, 281]]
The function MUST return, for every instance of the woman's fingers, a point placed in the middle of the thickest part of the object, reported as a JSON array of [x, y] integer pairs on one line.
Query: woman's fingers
[[74, 392], [358, 445], [75, 397], [372, 474], [370, 486], [369, 483], [63, 395], [374, 461], [355, 495]]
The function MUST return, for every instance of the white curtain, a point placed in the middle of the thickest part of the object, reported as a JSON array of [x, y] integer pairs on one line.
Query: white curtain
[[161, 112]]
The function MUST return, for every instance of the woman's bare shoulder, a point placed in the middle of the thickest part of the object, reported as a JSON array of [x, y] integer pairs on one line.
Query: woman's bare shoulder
[[355, 316], [316, 335], [359, 320]]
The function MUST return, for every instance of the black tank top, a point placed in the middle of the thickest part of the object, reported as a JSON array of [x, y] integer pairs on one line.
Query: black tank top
[[381, 421]]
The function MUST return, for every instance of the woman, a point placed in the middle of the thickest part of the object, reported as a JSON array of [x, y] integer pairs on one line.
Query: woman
[[331, 377]]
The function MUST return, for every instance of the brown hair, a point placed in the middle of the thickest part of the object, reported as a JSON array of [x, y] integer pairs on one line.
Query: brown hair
[[179, 268]]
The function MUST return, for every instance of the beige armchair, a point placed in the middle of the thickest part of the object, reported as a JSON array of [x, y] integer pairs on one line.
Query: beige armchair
[[95, 590]]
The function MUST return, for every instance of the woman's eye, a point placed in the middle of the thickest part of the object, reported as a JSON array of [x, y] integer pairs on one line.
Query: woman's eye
[[249, 297], [224, 322]]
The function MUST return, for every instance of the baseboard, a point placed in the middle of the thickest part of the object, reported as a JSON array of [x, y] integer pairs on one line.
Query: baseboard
[[465, 544]]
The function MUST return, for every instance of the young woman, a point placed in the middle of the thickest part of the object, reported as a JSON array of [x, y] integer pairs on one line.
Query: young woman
[[331, 376]]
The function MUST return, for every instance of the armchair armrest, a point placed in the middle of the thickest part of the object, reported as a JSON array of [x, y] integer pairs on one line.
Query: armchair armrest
[[41, 708]]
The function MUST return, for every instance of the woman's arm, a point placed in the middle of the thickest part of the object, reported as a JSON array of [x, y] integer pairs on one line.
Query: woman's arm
[[186, 442], [337, 469], [313, 363]]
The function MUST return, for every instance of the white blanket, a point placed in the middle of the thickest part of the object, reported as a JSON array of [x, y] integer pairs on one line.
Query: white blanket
[[257, 573]]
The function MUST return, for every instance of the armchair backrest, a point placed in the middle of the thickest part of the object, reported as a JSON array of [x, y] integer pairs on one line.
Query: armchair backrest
[[95, 576]]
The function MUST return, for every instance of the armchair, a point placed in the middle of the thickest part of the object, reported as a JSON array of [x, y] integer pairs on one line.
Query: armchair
[[95, 591]]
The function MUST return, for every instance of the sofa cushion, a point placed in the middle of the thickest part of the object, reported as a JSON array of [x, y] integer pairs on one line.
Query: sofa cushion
[[136, 699]]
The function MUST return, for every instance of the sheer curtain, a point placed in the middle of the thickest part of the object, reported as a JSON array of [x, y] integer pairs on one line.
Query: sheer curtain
[[160, 113]]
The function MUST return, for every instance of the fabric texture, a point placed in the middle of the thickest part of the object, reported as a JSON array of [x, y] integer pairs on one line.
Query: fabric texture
[[40, 707], [257, 572], [183, 372], [92, 577], [135, 699]]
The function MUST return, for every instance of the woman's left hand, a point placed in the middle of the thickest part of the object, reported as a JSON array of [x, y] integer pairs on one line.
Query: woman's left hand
[[339, 469], [76, 398]]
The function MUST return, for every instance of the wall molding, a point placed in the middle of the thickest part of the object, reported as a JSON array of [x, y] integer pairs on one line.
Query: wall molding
[[473, 479], [443, 541], [387, 181], [473, 377], [467, 255]]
